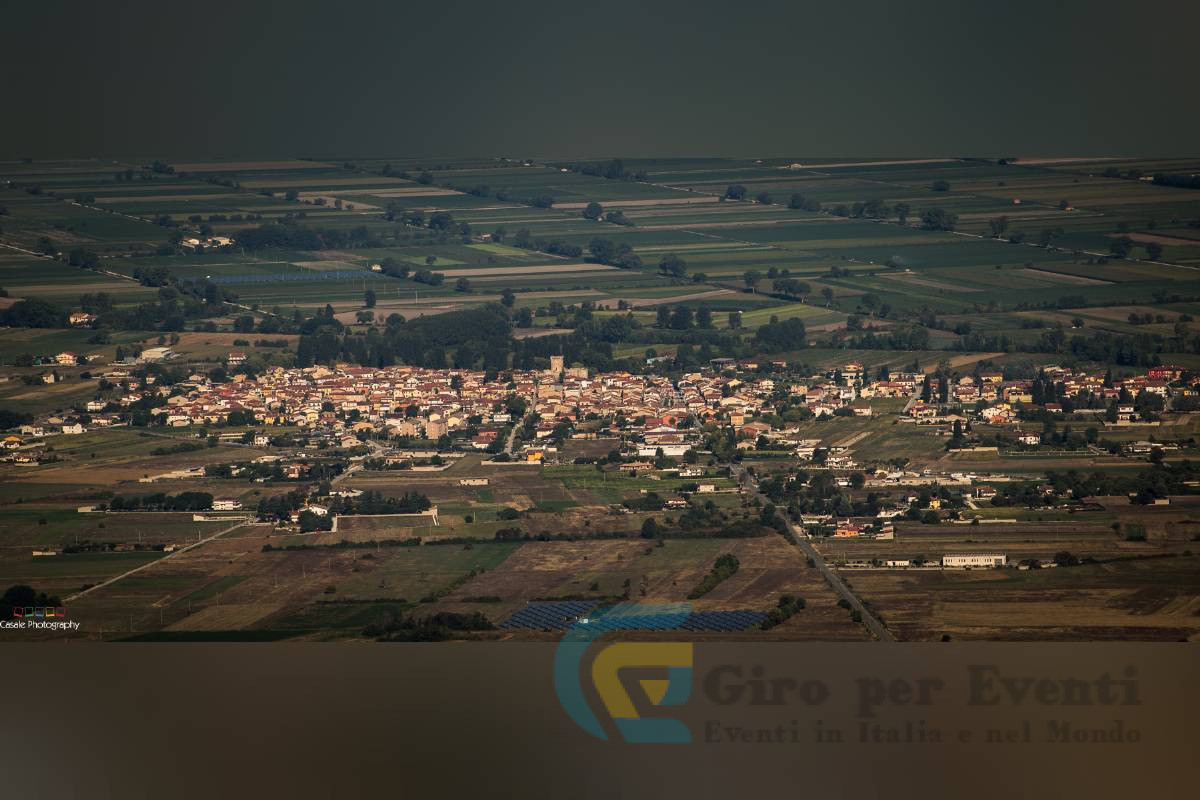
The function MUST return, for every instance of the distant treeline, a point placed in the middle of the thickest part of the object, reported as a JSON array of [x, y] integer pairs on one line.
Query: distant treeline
[[1178, 181], [294, 236], [160, 501], [458, 338], [614, 170]]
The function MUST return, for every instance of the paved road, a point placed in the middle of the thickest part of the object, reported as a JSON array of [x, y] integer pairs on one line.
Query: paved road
[[802, 540]]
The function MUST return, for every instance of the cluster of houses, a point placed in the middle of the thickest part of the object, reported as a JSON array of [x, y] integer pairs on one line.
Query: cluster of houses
[[947, 561], [67, 358], [344, 402], [998, 399]]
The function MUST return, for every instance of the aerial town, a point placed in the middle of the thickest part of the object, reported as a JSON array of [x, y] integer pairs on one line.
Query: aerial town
[[542, 399]]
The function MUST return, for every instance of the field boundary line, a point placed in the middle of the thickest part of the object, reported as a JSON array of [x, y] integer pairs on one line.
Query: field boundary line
[[148, 564]]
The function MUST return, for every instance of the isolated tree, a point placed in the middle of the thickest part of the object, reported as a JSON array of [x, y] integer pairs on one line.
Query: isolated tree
[[827, 293], [593, 210], [940, 186], [998, 225], [681, 318], [937, 219], [704, 317], [507, 298], [751, 279], [1121, 247], [1154, 251], [902, 210], [673, 266], [369, 298], [735, 191], [1047, 236], [603, 250], [735, 320], [462, 285], [763, 198]]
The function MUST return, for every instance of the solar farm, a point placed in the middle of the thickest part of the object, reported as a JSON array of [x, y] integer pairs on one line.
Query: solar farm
[[559, 616]]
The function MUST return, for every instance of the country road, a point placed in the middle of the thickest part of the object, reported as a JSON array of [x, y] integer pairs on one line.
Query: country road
[[512, 438], [149, 564], [801, 540]]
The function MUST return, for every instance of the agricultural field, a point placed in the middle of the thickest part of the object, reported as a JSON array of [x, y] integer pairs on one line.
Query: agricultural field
[[788, 267], [1153, 599], [125, 213]]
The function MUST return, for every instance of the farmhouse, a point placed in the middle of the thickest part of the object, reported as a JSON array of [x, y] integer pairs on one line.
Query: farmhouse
[[847, 529], [672, 450], [922, 411], [156, 354]]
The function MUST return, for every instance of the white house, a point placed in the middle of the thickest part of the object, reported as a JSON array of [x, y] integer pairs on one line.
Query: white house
[[156, 354], [672, 450], [969, 560]]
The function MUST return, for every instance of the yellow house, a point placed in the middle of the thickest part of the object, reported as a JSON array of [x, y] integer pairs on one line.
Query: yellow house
[[534, 457]]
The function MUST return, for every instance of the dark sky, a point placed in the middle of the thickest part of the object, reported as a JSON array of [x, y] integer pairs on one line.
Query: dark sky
[[438, 77]]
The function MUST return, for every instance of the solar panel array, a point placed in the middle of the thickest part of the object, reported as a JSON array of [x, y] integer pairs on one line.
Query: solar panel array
[[560, 615], [291, 277], [723, 620], [554, 616]]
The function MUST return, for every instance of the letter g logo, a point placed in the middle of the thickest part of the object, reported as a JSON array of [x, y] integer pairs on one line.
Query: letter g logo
[[674, 690]]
